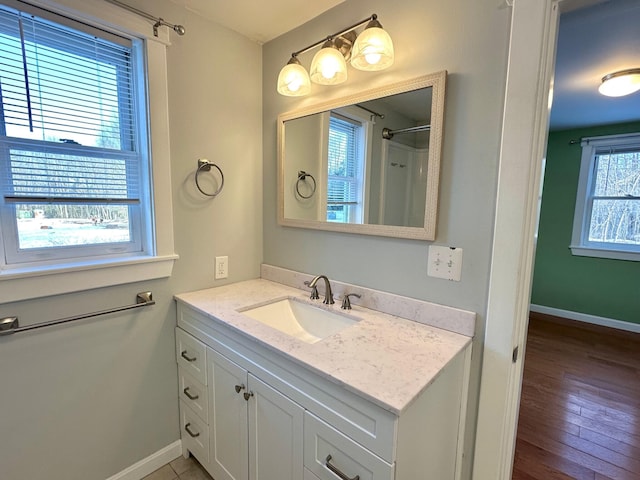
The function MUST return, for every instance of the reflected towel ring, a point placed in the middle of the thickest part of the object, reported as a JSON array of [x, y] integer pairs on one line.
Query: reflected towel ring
[[205, 165], [302, 175]]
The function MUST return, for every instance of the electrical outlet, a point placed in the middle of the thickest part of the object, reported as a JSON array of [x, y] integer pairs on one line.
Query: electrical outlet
[[222, 267], [445, 262]]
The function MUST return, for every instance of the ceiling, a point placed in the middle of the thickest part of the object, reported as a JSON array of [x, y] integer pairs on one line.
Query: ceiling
[[259, 20], [592, 42]]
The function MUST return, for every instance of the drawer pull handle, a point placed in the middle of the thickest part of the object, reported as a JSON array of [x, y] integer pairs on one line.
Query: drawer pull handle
[[187, 357], [191, 397], [248, 395], [337, 471], [239, 388], [194, 435]]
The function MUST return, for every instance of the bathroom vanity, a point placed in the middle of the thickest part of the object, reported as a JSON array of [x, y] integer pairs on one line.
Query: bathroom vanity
[[380, 398]]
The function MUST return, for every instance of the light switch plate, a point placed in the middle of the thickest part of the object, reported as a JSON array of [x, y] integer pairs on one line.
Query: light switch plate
[[445, 262]]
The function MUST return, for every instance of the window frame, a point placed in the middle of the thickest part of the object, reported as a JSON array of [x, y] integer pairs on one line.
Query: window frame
[[580, 243], [15, 258], [359, 213], [353, 211], [47, 278]]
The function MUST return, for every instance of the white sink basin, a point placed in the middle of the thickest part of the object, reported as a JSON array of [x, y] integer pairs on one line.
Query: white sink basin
[[300, 320]]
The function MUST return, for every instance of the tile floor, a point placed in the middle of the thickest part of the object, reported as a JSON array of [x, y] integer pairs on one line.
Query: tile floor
[[180, 469]]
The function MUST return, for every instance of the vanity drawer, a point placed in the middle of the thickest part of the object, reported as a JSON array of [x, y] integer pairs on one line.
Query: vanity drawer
[[324, 446], [308, 475], [194, 434], [194, 394], [191, 355]]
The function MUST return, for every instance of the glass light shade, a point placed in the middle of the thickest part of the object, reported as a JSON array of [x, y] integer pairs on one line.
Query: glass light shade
[[621, 83], [293, 80], [328, 66], [373, 49]]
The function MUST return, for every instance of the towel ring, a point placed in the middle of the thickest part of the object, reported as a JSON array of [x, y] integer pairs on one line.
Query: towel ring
[[205, 165], [302, 175]]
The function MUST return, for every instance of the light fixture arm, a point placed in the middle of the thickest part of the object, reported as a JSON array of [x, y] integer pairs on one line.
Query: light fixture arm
[[335, 35]]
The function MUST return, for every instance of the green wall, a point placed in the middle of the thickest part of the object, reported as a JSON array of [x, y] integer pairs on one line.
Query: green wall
[[595, 286]]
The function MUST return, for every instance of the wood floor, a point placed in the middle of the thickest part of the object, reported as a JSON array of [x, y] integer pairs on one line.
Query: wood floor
[[580, 406]]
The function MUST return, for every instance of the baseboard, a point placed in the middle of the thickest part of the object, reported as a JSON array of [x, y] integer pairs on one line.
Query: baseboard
[[150, 464], [584, 317]]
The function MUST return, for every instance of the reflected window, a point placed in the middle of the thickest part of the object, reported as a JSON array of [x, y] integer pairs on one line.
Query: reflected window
[[345, 170]]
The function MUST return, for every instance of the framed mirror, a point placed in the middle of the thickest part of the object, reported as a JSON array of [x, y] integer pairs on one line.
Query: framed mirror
[[368, 163]]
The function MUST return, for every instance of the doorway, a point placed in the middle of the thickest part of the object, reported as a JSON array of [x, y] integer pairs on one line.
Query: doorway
[[579, 381], [524, 134]]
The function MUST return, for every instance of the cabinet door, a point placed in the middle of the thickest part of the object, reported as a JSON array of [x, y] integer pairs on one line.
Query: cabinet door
[[227, 418], [275, 434]]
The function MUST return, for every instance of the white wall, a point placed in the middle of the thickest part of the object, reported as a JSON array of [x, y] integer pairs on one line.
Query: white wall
[[467, 38], [85, 401]]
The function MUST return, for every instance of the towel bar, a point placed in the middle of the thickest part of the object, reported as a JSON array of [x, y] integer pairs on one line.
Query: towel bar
[[11, 325]]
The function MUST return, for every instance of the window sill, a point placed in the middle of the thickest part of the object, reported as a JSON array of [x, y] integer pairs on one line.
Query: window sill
[[605, 253], [43, 281]]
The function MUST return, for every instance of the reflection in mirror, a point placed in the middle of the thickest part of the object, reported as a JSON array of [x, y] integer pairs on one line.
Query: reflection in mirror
[[367, 164]]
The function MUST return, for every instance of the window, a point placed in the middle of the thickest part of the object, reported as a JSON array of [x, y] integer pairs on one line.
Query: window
[[70, 157], [77, 209], [607, 216], [345, 170]]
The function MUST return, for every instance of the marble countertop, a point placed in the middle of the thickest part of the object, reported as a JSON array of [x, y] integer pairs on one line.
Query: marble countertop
[[384, 358]]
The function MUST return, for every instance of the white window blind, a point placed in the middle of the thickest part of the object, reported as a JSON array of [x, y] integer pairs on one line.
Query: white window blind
[[67, 120], [344, 182]]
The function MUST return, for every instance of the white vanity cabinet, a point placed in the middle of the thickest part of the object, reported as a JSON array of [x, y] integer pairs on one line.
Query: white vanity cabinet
[[269, 417], [255, 431], [237, 426]]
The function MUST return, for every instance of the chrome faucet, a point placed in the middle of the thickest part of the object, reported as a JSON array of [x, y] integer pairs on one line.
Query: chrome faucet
[[328, 294]]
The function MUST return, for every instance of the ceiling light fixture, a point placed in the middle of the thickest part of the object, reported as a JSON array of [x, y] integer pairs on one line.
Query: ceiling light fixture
[[619, 84], [372, 50]]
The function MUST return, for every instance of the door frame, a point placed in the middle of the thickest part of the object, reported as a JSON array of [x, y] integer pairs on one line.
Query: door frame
[[530, 69]]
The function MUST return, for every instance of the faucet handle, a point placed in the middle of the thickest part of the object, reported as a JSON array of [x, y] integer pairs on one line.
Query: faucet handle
[[314, 291], [346, 303]]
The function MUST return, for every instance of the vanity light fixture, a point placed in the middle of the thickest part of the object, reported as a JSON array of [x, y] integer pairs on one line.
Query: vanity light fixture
[[372, 50], [619, 84], [293, 80], [328, 66]]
